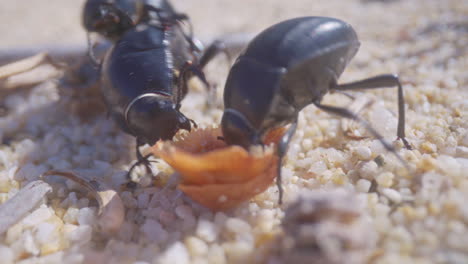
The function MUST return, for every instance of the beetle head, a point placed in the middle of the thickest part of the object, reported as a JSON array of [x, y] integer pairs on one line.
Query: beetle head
[[105, 19], [151, 118], [237, 130]]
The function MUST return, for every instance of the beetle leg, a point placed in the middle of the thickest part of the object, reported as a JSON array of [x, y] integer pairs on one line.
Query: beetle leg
[[282, 149], [91, 54], [186, 72], [382, 81], [140, 160], [215, 48], [343, 112]]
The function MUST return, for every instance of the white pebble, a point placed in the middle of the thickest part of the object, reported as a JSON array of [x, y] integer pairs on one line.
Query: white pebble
[[307, 144], [71, 216], [216, 255], [177, 253], [196, 246], [39, 215], [81, 235], [318, 167], [363, 185], [236, 225], [28, 242], [385, 179], [86, 216], [69, 229], [44, 232], [207, 230], [363, 153], [368, 170], [7, 255], [392, 194]]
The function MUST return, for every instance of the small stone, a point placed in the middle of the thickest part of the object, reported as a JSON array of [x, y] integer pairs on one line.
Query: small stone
[[428, 147], [154, 231], [236, 225], [207, 230], [307, 144], [216, 255], [184, 212], [81, 235], [392, 194], [368, 170], [176, 253], [363, 185], [363, 153], [69, 228], [385, 179], [238, 251], [196, 246], [71, 216], [45, 232], [143, 200], [39, 215], [14, 233], [166, 217], [29, 245], [7, 255], [86, 216]]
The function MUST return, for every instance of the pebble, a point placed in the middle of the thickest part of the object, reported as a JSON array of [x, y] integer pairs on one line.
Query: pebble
[[184, 212], [237, 225], [143, 200], [71, 216], [176, 253], [385, 179], [363, 153], [39, 215], [45, 232], [81, 235], [363, 185], [206, 230], [86, 216], [392, 194], [154, 231], [7, 255], [196, 246]]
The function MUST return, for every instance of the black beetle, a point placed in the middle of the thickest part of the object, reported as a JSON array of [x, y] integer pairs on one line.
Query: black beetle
[[109, 18], [112, 18], [144, 77], [286, 67]]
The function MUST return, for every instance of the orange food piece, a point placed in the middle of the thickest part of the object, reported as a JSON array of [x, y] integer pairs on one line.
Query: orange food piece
[[216, 175]]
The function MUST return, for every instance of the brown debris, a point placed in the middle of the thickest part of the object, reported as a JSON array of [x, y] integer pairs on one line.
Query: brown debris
[[111, 210], [219, 176]]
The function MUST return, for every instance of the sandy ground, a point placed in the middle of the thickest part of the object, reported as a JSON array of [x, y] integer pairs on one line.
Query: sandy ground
[[419, 216]]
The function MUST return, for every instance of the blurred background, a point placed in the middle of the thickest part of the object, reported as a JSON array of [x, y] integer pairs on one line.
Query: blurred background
[[37, 25]]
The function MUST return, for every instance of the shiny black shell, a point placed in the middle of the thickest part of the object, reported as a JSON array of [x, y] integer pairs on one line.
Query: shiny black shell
[[144, 60], [287, 67]]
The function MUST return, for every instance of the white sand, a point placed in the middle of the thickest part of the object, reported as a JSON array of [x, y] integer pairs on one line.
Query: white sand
[[416, 217]]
